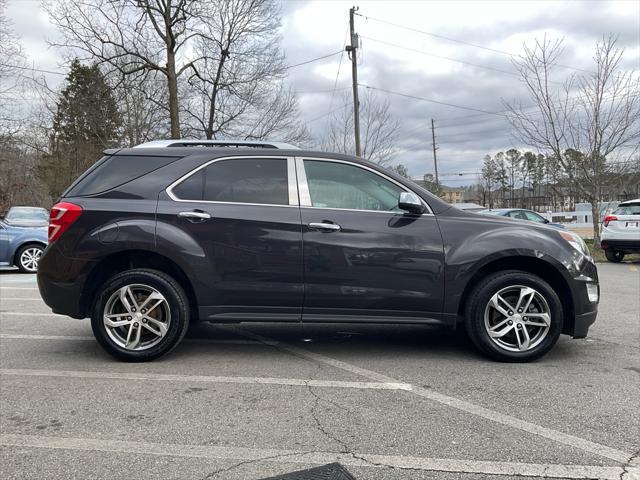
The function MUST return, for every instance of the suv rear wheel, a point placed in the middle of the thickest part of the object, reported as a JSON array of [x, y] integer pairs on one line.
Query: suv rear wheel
[[514, 316], [140, 315], [615, 256]]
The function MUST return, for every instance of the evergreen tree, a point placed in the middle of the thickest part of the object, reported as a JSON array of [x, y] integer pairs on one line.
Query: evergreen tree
[[85, 123]]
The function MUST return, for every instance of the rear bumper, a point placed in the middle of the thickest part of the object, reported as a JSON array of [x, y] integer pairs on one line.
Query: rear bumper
[[61, 282], [622, 245]]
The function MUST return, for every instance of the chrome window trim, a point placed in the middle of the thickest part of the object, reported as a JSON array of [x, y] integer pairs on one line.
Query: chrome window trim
[[291, 182], [303, 186], [305, 195]]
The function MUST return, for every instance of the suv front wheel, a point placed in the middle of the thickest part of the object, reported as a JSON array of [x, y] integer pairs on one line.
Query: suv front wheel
[[514, 316], [140, 315]]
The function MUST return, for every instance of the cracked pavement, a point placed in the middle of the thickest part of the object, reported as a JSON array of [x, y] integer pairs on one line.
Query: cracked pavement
[[226, 405]]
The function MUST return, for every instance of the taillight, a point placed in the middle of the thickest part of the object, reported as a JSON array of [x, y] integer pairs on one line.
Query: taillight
[[61, 217], [609, 218]]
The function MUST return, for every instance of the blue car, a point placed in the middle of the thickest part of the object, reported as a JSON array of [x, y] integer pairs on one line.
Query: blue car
[[522, 214], [22, 245]]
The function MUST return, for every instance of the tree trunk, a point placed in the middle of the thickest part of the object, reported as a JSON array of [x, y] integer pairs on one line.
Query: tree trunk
[[172, 83], [595, 218]]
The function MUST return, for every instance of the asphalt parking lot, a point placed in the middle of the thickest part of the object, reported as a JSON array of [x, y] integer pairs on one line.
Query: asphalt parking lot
[[251, 401]]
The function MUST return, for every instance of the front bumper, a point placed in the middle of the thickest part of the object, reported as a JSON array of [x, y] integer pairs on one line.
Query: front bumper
[[582, 323], [584, 287]]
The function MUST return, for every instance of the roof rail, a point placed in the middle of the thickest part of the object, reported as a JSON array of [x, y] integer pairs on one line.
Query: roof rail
[[217, 143]]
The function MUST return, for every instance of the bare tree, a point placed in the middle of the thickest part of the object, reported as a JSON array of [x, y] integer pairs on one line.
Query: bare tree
[[236, 89], [133, 37], [378, 129], [600, 123], [143, 106], [11, 61]]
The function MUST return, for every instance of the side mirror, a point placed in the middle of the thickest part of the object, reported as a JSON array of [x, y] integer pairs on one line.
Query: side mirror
[[410, 202], [546, 221]]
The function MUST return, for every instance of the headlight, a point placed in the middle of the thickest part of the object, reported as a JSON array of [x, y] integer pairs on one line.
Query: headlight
[[576, 242]]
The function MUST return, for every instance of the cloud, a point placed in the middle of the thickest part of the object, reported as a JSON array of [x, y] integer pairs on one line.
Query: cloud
[[314, 28]]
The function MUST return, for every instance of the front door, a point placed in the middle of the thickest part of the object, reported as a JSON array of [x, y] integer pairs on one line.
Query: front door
[[243, 214], [365, 259]]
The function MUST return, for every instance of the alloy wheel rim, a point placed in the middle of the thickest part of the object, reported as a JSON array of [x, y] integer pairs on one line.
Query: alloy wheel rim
[[29, 258], [517, 318], [136, 317]]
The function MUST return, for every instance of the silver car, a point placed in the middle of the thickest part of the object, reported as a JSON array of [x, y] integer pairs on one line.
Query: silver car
[[620, 232]]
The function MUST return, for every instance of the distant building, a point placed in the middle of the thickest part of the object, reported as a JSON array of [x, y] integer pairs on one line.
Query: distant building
[[452, 195]]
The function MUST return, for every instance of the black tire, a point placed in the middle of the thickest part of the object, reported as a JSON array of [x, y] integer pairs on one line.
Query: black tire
[[615, 256], [177, 304], [479, 300], [26, 267]]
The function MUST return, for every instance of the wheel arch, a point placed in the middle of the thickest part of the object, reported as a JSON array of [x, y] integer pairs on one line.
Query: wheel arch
[[534, 265], [127, 260]]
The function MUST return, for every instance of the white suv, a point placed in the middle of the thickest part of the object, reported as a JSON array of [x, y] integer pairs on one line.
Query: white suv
[[621, 231]]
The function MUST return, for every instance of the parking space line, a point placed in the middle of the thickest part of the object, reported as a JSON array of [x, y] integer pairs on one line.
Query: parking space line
[[318, 458], [4, 299], [294, 382], [31, 314], [453, 402], [16, 336], [2, 287]]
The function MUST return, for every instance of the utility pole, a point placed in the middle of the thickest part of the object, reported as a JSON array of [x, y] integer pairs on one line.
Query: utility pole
[[351, 49], [435, 158]]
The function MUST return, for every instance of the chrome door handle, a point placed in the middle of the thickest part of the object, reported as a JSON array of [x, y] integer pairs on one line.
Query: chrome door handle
[[325, 227], [195, 216]]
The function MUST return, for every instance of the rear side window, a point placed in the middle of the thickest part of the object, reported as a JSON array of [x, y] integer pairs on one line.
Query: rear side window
[[113, 171], [245, 180]]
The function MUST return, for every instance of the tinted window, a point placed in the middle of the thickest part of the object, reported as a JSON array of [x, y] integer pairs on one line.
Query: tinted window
[[240, 181], [115, 170], [338, 185]]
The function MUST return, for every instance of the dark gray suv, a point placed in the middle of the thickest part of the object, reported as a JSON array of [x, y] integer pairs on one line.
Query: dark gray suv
[[152, 239]]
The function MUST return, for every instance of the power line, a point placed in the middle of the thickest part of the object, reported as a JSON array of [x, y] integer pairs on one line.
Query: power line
[[415, 97], [335, 83], [463, 42], [330, 90], [52, 72], [464, 62], [328, 113], [313, 60], [33, 69], [573, 101]]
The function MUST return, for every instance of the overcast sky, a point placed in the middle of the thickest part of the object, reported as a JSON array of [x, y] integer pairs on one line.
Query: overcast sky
[[315, 28]]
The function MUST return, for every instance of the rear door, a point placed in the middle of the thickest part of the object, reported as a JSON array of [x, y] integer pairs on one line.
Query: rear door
[[364, 259], [243, 214]]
